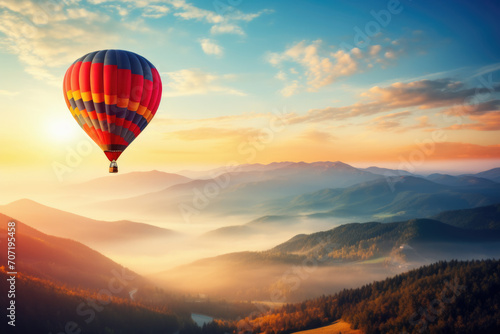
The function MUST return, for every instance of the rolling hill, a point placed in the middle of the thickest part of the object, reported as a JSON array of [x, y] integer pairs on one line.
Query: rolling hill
[[45, 307], [388, 199], [387, 171], [89, 231], [354, 253], [492, 174], [433, 299], [237, 193], [64, 261], [460, 181], [485, 217]]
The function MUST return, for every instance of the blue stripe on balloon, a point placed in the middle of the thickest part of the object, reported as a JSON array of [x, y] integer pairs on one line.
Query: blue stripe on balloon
[[135, 64], [89, 56], [148, 75], [110, 57], [123, 61]]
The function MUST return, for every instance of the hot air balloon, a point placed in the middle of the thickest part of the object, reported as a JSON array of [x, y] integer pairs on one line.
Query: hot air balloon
[[113, 95]]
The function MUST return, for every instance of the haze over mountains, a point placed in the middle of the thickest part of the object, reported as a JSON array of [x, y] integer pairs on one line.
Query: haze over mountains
[[249, 207], [62, 260], [244, 192], [276, 233], [353, 253]]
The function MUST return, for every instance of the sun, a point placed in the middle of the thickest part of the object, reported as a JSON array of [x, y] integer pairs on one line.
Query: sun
[[61, 128]]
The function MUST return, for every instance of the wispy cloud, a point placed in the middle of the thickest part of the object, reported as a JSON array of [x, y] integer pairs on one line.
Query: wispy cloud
[[423, 94], [213, 133], [210, 47], [323, 65], [483, 116], [43, 40], [394, 122], [227, 28], [226, 120], [221, 24], [155, 11], [320, 70], [197, 82], [459, 150], [318, 136]]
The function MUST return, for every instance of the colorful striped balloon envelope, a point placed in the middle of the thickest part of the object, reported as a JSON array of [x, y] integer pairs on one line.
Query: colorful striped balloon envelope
[[113, 95]]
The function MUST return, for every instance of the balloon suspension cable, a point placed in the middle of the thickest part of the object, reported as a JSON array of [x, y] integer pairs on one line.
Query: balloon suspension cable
[[113, 167]]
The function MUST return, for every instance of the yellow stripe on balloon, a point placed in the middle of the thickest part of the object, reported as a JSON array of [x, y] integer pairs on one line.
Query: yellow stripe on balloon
[[77, 95], [86, 96]]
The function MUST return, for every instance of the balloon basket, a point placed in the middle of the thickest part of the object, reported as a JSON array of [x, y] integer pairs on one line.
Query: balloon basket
[[113, 167]]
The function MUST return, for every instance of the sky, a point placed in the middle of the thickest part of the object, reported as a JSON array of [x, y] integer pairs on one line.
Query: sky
[[402, 84]]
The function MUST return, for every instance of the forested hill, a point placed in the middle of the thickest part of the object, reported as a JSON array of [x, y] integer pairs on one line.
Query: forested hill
[[445, 297], [357, 241], [485, 217]]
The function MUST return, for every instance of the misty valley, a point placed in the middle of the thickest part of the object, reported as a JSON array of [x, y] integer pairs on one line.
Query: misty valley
[[276, 248]]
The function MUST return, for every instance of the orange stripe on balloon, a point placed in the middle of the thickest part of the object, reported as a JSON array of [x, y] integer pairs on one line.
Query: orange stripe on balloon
[[110, 99], [122, 102], [98, 97], [133, 106], [146, 114], [142, 109]]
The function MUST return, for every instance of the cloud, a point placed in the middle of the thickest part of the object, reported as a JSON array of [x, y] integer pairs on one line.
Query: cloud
[[473, 109], [79, 13], [138, 25], [375, 49], [390, 55], [210, 47], [155, 11], [484, 116], [459, 150], [320, 70], [389, 121], [47, 35], [291, 89], [122, 11], [222, 23], [422, 94], [318, 136], [486, 122], [196, 82], [281, 75], [228, 119], [213, 133], [227, 28], [323, 65]]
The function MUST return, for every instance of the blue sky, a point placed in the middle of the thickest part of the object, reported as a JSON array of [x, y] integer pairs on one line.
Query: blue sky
[[227, 71]]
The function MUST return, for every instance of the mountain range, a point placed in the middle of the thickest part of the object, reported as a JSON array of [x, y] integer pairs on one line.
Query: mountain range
[[319, 189], [89, 231], [354, 253]]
